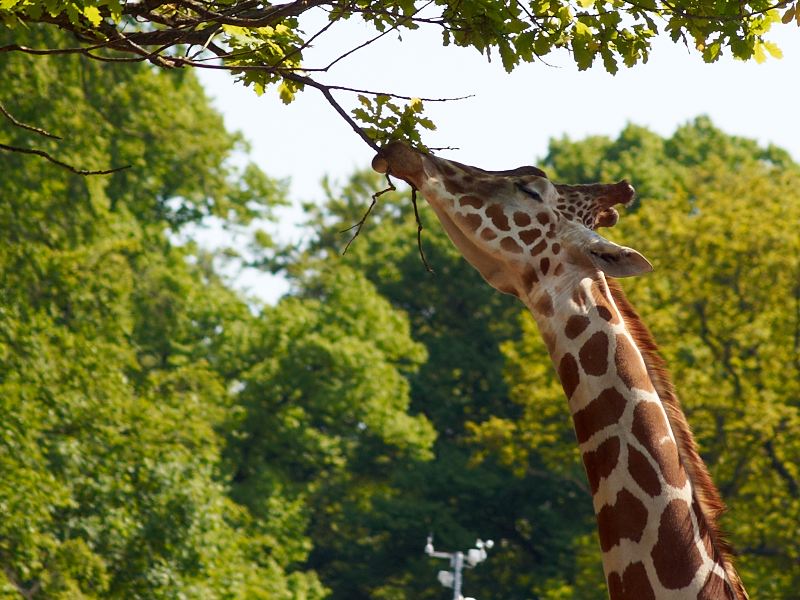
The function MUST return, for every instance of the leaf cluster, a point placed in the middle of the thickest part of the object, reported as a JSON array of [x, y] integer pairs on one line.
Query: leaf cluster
[[162, 438], [112, 397], [263, 44]]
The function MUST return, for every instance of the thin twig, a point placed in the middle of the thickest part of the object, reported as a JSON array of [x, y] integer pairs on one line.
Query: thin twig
[[394, 27], [294, 74], [360, 224], [38, 130], [306, 43], [398, 96], [357, 48], [54, 160], [419, 230], [45, 51]]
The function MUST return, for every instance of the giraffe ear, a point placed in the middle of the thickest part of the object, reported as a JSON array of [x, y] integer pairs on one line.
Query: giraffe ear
[[616, 260]]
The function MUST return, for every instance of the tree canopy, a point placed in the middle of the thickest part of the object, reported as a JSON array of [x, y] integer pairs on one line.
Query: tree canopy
[[264, 44], [163, 436], [136, 387]]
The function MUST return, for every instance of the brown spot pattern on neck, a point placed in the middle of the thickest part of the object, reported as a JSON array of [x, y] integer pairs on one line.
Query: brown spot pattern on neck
[[705, 492], [625, 519], [632, 585]]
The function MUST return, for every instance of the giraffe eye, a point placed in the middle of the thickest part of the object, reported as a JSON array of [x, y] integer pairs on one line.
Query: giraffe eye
[[529, 192]]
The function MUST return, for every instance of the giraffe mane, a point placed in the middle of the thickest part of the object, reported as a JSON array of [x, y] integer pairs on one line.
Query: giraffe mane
[[705, 492]]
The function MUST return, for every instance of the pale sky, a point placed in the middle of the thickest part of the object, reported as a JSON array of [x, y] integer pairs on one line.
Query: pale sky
[[512, 116]]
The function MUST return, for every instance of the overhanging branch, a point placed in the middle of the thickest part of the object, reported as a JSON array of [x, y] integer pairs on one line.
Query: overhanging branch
[[60, 163], [21, 125]]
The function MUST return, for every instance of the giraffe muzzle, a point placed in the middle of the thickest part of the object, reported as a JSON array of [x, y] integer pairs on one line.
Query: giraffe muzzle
[[399, 160]]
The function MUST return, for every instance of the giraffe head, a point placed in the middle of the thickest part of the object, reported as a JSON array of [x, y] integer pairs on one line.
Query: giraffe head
[[517, 227]]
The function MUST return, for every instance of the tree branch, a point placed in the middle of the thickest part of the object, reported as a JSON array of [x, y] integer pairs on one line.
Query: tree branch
[[306, 43], [740, 16], [46, 51], [363, 220], [54, 160], [730, 487], [419, 229], [394, 27], [720, 349], [21, 125], [393, 95], [780, 468], [357, 48], [26, 592], [258, 17], [763, 550]]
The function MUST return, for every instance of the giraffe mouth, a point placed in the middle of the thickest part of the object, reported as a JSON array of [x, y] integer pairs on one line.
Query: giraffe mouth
[[399, 160]]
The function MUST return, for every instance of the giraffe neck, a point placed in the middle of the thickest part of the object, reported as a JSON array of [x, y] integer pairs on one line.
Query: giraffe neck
[[656, 536]]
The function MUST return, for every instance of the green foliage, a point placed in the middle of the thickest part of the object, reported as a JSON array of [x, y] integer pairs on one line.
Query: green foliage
[[159, 439], [263, 45], [329, 383], [253, 47], [325, 411], [162, 439], [80, 102], [385, 121], [113, 398]]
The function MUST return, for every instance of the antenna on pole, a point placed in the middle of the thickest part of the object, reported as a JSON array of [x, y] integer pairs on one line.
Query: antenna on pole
[[452, 577]]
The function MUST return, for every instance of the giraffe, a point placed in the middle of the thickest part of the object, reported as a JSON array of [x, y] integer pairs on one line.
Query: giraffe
[[655, 504]]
